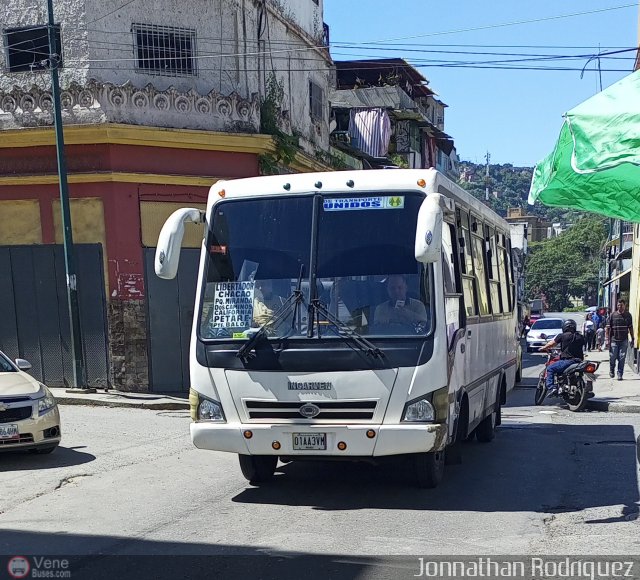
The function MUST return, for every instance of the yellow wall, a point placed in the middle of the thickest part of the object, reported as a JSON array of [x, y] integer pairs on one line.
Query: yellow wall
[[20, 222], [153, 214], [87, 222]]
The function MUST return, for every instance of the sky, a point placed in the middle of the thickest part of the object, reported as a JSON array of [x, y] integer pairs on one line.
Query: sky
[[516, 115]]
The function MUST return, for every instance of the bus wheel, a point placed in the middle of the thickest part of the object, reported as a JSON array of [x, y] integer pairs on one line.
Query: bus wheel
[[258, 468], [486, 430], [428, 468]]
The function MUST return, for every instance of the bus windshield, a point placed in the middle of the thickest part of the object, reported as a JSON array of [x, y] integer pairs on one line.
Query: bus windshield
[[357, 261]]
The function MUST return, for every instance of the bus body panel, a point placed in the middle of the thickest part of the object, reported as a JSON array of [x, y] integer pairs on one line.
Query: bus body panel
[[481, 359], [388, 440]]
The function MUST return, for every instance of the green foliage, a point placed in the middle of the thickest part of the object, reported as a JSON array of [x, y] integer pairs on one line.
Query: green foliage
[[286, 145], [399, 160], [567, 265], [512, 185]]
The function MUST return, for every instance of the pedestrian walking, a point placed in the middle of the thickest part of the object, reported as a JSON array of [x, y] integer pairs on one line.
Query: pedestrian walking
[[619, 329], [589, 333], [600, 338]]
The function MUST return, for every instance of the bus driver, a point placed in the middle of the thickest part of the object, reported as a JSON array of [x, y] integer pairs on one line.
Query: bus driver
[[400, 309]]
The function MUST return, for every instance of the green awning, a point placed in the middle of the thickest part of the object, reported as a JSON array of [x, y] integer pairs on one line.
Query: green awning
[[594, 166]]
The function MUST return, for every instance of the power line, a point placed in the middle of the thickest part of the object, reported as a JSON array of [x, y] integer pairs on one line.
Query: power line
[[112, 12], [505, 24]]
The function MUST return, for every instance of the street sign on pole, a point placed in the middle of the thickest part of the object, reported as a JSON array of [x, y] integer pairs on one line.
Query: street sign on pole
[[79, 377]]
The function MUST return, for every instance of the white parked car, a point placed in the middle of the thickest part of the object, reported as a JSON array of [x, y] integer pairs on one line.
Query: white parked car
[[542, 331], [29, 416]]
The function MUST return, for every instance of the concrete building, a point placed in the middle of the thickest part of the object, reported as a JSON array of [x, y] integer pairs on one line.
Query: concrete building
[[536, 228], [385, 113], [160, 100]]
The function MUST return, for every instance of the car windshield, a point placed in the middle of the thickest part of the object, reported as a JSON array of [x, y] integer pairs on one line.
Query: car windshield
[[5, 365], [546, 324], [261, 250]]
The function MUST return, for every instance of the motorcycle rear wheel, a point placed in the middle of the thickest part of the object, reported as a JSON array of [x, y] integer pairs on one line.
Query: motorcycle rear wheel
[[541, 392], [578, 400]]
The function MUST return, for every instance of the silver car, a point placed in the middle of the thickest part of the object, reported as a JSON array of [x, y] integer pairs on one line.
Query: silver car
[[542, 331], [29, 416]]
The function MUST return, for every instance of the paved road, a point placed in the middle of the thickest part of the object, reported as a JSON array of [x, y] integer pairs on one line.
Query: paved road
[[128, 481]]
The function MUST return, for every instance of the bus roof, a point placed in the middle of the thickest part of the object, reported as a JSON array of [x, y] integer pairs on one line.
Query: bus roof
[[353, 182]]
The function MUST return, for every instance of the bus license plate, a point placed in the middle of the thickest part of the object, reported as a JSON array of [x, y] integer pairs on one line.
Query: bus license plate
[[9, 432], [309, 441]]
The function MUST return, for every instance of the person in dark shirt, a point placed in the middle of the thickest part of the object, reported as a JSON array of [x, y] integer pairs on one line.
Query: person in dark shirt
[[571, 344], [619, 328]]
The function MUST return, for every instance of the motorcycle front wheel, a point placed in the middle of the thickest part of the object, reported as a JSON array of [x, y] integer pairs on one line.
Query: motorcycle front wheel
[[577, 400], [541, 391]]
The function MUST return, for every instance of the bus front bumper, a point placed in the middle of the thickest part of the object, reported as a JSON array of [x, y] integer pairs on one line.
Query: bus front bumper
[[264, 439]]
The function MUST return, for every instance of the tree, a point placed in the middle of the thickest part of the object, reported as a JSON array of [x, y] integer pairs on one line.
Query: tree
[[567, 265]]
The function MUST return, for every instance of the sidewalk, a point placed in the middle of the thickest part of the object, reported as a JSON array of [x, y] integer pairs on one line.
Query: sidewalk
[[611, 394], [121, 399]]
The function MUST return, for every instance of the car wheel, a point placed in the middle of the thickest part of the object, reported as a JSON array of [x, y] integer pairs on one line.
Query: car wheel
[[258, 468], [43, 450], [428, 468], [486, 430]]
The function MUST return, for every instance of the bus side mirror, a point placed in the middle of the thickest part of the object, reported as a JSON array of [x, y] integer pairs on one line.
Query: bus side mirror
[[170, 240], [429, 230]]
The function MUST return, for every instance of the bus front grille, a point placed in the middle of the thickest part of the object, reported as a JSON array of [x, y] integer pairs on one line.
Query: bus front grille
[[334, 410]]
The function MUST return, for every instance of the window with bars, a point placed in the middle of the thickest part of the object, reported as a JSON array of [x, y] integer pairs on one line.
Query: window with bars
[[316, 101], [165, 50], [27, 48]]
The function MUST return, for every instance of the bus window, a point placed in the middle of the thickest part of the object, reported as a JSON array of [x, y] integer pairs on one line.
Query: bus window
[[479, 267], [502, 268], [512, 285], [494, 274], [452, 295], [468, 281]]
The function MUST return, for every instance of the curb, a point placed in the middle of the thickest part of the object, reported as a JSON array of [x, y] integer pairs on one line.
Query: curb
[[613, 406], [154, 406]]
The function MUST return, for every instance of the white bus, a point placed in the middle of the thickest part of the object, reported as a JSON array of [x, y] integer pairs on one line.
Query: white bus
[[347, 315]]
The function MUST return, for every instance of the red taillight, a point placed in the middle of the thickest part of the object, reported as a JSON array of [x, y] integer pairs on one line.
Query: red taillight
[[590, 368]]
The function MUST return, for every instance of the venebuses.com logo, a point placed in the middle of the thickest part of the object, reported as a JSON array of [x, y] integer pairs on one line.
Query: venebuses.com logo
[[18, 567], [38, 567]]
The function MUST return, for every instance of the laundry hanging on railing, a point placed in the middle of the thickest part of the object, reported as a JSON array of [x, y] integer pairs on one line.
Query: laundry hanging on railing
[[370, 131]]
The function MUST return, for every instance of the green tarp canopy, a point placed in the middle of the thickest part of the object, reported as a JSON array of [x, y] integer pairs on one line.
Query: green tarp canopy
[[595, 163]]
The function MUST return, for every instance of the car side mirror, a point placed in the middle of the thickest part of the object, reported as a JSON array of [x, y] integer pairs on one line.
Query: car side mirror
[[22, 364], [428, 245], [170, 241]]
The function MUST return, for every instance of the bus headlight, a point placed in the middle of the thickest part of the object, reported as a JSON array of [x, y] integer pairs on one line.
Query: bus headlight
[[203, 409], [419, 411], [210, 411]]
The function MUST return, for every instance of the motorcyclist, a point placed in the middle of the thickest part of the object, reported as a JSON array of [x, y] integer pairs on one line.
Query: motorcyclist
[[571, 344]]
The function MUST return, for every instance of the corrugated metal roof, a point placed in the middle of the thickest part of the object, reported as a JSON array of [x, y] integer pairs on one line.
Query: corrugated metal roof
[[391, 97]]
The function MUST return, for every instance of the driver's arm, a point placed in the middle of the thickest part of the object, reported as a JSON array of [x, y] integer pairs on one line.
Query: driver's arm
[[549, 345]]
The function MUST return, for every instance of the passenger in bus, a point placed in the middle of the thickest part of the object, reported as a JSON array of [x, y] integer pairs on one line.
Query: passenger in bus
[[266, 302], [265, 293], [400, 309]]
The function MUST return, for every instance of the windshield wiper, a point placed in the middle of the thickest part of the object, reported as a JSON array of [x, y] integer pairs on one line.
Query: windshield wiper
[[346, 332], [274, 320]]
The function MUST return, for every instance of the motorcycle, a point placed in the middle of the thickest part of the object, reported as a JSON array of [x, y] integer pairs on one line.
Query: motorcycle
[[574, 384]]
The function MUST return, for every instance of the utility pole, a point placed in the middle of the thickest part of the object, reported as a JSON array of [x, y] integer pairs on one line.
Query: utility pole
[[79, 378], [486, 177]]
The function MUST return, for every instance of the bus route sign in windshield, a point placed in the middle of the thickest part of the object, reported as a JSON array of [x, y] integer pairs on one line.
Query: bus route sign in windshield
[[233, 305], [364, 203]]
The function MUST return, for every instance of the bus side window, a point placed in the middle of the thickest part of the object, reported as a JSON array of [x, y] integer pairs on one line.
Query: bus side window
[[479, 265], [454, 312], [502, 268], [466, 263], [492, 266]]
